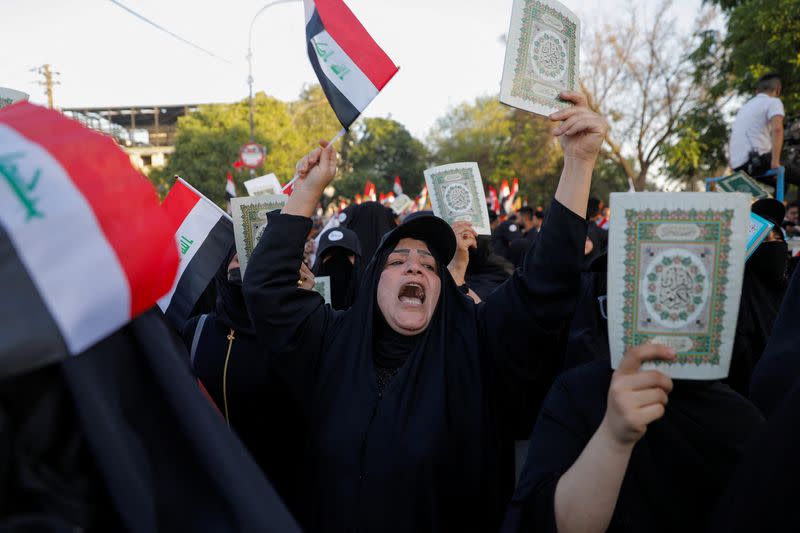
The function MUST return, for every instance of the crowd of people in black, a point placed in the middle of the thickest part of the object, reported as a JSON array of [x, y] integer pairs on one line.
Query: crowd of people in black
[[456, 382]]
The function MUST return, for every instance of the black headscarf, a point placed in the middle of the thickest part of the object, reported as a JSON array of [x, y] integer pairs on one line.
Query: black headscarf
[[333, 259], [370, 221], [230, 307], [486, 270], [763, 287]]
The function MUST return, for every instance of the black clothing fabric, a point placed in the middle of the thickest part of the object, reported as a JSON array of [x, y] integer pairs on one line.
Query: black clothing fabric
[[518, 250], [391, 349], [503, 235], [676, 471], [599, 238], [370, 221], [486, 270], [779, 366], [763, 287], [420, 456], [120, 438], [762, 492], [344, 275], [587, 338], [256, 403]]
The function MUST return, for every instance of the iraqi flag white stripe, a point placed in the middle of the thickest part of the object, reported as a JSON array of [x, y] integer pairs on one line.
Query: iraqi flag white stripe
[[44, 225], [342, 72], [190, 236]]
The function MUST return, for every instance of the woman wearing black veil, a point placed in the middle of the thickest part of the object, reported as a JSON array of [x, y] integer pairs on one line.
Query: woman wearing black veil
[[408, 392]]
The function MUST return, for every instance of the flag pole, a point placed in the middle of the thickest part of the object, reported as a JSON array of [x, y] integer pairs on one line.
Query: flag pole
[[338, 136]]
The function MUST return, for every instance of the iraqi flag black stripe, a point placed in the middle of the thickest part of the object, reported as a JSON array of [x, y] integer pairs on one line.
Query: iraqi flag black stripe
[[200, 272], [29, 336], [345, 111]]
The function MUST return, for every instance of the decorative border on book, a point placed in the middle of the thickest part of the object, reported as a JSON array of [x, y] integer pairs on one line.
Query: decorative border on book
[[521, 87], [715, 227]]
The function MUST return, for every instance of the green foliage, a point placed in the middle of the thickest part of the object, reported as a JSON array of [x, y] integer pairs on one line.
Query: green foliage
[[607, 177], [207, 142], [764, 36], [505, 142], [381, 149]]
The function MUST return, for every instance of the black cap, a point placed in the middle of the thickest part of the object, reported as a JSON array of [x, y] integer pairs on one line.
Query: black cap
[[340, 237], [426, 227], [771, 209]]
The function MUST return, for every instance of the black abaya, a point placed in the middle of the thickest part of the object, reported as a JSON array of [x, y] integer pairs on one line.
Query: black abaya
[[421, 455], [779, 366], [120, 438], [676, 471]]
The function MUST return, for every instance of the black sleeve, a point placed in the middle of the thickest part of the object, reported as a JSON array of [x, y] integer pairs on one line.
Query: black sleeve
[[522, 321], [776, 371], [558, 439], [290, 322]]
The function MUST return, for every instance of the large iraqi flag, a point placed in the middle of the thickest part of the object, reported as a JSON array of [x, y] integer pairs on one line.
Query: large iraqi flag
[[350, 65], [84, 244], [204, 235]]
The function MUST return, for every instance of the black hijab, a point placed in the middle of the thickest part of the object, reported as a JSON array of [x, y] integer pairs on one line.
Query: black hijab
[[230, 307], [370, 221], [763, 287], [336, 245], [486, 270]]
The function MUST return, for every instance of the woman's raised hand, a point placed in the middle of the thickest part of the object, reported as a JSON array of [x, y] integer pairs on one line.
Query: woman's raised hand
[[636, 398]]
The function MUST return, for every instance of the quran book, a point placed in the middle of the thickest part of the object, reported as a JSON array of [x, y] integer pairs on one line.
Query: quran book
[[675, 266]]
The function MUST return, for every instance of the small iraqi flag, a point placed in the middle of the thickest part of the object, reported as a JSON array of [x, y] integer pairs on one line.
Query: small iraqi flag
[[204, 235], [350, 65], [84, 244], [230, 187]]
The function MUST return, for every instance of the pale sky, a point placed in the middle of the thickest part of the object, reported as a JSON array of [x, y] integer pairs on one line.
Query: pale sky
[[449, 51]]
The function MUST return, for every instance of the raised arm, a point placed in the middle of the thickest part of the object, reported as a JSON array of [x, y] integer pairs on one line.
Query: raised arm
[[290, 321], [586, 494], [522, 320]]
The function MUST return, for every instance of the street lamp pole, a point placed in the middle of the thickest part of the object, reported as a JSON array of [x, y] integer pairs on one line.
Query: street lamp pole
[[250, 57]]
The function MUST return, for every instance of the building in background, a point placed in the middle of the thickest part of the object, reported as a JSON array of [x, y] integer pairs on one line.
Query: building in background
[[146, 133]]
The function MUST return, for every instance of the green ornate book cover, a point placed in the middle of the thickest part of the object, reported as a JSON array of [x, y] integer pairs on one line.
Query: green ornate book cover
[[542, 56], [675, 270], [742, 182], [456, 192], [249, 220]]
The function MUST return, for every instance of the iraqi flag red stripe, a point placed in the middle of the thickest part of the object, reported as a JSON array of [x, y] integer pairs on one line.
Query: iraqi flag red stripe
[[356, 42], [124, 203]]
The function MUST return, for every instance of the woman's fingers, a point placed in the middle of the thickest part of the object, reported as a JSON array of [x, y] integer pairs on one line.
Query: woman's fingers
[[637, 355], [643, 398]]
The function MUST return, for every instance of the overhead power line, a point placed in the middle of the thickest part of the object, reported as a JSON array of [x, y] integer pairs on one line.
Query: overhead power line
[[159, 27]]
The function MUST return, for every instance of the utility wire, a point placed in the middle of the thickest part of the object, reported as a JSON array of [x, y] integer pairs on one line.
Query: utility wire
[[145, 19]]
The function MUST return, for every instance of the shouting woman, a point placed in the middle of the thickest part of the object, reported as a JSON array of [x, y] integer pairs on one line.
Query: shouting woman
[[407, 394]]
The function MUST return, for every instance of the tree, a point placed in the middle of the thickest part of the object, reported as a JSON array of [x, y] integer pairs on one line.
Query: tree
[[207, 142], [762, 37], [505, 142], [640, 76], [381, 149]]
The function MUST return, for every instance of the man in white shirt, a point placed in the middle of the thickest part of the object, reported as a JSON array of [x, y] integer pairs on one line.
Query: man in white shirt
[[757, 135]]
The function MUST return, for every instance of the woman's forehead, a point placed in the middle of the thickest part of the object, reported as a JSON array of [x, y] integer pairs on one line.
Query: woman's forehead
[[407, 244]]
